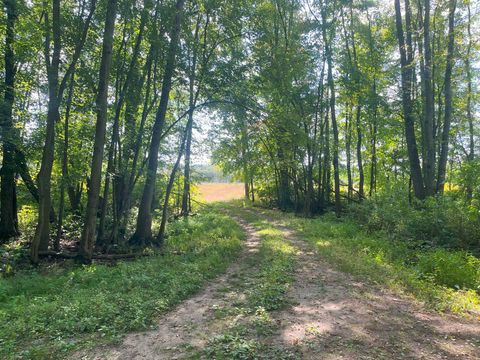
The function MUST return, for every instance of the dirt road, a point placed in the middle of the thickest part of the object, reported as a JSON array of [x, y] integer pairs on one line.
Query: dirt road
[[329, 315]]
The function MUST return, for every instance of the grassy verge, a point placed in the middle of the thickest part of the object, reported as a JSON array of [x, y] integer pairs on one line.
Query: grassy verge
[[247, 322], [81, 306], [430, 276]]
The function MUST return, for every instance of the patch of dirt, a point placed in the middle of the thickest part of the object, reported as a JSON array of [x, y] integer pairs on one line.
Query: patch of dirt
[[191, 324], [332, 316]]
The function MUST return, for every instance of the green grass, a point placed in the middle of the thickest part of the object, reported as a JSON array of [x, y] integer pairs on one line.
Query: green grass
[[446, 280], [51, 314]]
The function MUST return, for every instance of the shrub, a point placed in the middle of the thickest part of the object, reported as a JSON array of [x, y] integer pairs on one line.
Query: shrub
[[437, 222], [455, 269]]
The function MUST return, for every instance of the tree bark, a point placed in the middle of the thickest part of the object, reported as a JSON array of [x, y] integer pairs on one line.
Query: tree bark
[[64, 180], [333, 115], [442, 163], [87, 240], [42, 233], [168, 191], [406, 62], [55, 95], [361, 182], [471, 152], [429, 111], [143, 232], [8, 203]]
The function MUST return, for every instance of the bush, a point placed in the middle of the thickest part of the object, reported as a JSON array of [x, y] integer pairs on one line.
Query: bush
[[437, 222], [455, 269]]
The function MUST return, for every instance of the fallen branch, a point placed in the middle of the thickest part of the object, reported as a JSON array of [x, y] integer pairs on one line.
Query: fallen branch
[[72, 255]]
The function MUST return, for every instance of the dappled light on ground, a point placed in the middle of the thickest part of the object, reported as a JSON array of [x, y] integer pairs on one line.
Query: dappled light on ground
[[281, 300]]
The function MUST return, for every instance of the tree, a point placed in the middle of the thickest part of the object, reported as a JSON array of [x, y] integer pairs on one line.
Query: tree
[[87, 241], [143, 231]]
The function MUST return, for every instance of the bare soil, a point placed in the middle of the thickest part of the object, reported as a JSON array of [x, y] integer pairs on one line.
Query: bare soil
[[331, 315]]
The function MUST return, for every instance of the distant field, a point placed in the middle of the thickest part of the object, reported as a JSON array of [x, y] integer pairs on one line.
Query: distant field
[[211, 192]]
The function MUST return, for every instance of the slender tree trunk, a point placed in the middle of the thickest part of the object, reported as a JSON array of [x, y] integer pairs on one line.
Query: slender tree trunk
[[89, 230], [348, 142], [55, 95], [189, 129], [333, 116], [244, 145], [116, 135], [406, 60], [471, 152], [429, 111], [171, 181], [143, 230], [64, 180], [252, 190], [42, 233], [373, 165], [361, 182], [8, 203], [187, 173], [442, 163]]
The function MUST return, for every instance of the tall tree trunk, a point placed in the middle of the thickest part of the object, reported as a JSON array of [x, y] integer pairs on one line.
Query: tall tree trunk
[[87, 240], [143, 230], [168, 191], [55, 95], [244, 151], [406, 62], [373, 164], [442, 163], [8, 203], [333, 115], [361, 191], [189, 129], [348, 147], [471, 152], [42, 233], [115, 140], [429, 110], [64, 180], [187, 173]]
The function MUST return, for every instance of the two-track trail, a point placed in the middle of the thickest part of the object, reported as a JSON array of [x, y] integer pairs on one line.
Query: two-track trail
[[327, 315]]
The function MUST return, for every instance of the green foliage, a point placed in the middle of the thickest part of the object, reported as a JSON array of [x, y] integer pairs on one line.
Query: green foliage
[[455, 269], [64, 309], [27, 217], [232, 347], [443, 221]]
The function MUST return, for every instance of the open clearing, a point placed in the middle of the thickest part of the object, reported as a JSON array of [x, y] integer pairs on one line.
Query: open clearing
[[212, 192], [266, 308]]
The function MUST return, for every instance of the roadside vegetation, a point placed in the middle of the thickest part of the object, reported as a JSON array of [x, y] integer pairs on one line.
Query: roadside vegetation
[[66, 306]]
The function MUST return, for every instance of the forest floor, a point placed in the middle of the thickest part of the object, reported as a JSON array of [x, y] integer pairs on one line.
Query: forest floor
[[282, 300]]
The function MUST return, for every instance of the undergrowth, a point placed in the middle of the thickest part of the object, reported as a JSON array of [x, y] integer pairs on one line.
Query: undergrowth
[[49, 314]]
